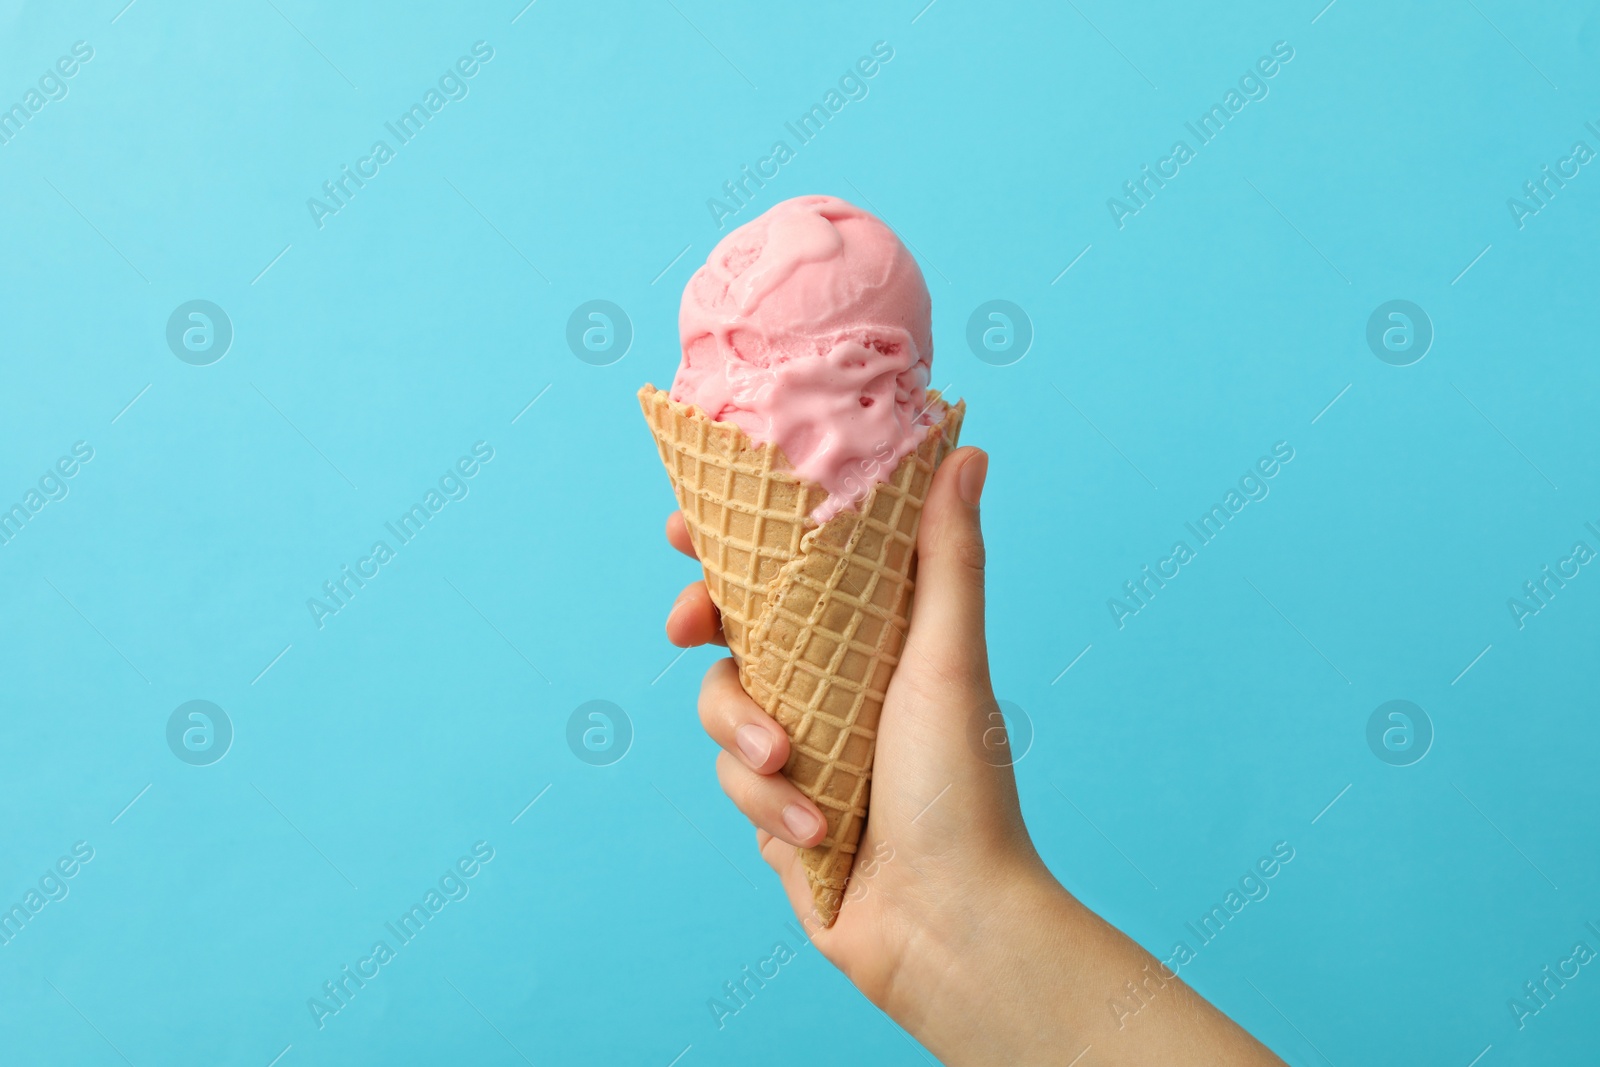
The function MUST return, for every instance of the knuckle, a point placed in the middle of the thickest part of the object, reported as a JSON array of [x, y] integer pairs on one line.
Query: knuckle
[[718, 704], [968, 551], [749, 791], [954, 542], [729, 781], [707, 705]]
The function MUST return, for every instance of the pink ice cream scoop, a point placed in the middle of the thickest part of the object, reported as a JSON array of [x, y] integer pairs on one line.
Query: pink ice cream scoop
[[810, 328]]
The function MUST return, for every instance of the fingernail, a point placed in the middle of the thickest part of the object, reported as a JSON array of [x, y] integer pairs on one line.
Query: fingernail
[[801, 823], [754, 743], [973, 473]]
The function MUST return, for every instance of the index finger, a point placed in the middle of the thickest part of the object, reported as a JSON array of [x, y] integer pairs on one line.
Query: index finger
[[678, 535]]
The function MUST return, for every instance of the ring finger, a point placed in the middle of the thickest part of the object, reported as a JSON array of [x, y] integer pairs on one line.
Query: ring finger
[[738, 724], [771, 802]]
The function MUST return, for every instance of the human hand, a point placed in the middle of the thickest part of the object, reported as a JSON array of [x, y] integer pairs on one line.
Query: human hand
[[942, 823], [951, 923]]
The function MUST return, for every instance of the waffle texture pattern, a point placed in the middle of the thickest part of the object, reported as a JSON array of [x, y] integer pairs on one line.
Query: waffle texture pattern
[[816, 616]]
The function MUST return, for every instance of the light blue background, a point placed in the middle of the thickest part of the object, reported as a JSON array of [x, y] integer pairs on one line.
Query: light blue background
[[429, 312]]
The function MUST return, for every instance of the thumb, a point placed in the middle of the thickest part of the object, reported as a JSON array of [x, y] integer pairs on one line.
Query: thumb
[[947, 612]]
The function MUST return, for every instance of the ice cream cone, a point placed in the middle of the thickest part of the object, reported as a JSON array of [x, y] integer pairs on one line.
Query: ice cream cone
[[815, 615]]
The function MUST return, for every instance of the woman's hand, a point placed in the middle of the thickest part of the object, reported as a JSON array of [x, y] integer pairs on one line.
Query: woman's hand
[[951, 923]]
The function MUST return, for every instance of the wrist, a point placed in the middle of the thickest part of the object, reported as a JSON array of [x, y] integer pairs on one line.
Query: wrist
[[1021, 973], [971, 979]]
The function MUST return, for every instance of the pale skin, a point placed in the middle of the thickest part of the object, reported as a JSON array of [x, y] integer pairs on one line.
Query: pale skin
[[952, 923]]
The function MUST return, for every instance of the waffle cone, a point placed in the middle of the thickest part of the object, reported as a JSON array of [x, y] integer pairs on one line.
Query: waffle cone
[[814, 615]]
